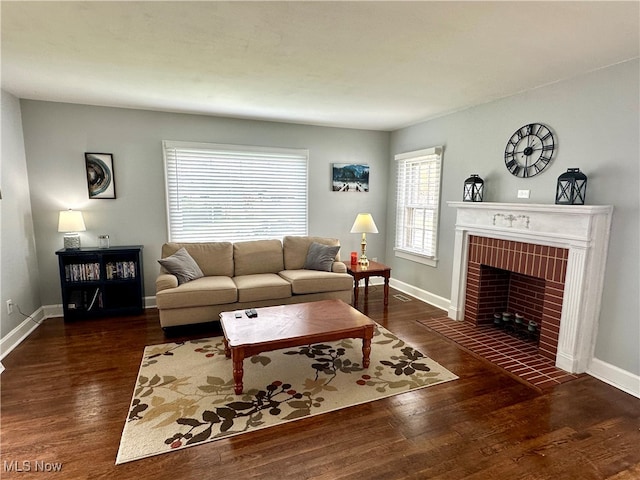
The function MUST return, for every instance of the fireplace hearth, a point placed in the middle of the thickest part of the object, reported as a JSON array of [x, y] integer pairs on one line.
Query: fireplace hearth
[[555, 251]]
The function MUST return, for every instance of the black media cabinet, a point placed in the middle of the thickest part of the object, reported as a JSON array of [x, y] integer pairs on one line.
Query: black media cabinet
[[98, 282]]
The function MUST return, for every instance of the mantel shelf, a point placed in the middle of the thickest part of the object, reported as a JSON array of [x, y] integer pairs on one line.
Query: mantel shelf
[[534, 207]]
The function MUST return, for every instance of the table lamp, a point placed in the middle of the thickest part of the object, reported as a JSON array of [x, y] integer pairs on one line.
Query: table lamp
[[71, 222], [364, 224]]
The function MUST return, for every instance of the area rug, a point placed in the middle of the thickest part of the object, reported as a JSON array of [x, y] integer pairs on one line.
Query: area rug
[[184, 393]]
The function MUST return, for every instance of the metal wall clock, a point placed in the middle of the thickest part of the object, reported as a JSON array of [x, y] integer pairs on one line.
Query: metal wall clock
[[529, 150]]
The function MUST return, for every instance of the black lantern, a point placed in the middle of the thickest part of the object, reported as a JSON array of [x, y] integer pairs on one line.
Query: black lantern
[[473, 189], [572, 187]]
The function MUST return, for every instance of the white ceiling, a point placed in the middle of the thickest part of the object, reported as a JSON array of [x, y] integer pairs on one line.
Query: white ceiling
[[371, 65]]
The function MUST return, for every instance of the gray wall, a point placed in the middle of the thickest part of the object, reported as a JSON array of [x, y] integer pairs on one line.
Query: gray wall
[[57, 135], [594, 118], [595, 121], [19, 277]]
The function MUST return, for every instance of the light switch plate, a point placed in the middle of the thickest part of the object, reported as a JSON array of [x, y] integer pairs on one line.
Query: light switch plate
[[524, 193]]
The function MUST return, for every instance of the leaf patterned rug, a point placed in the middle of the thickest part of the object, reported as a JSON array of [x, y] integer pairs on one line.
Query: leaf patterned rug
[[184, 393]]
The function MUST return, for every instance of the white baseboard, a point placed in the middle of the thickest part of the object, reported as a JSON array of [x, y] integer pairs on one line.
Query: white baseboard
[[150, 302], [610, 374], [22, 331], [56, 310], [53, 311], [615, 376], [420, 294], [16, 336]]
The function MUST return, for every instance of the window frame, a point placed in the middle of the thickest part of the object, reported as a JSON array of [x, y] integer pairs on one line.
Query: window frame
[[426, 256]]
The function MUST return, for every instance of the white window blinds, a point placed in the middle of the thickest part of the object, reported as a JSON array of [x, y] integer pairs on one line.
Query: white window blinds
[[234, 193], [418, 201]]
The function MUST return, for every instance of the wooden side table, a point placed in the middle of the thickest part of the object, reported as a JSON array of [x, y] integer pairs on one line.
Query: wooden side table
[[374, 269]]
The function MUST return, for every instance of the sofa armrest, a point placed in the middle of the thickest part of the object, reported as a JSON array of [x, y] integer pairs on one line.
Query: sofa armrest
[[165, 281], [339, 267]]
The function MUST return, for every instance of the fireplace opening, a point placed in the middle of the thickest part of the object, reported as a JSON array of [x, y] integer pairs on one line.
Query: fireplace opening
[[517, 278], [511, 301]]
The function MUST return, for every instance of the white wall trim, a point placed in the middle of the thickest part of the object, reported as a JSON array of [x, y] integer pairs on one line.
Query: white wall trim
[[16, 336], [615, 376], [610, 374], [150, 302], [56, 310], [420, 294], [53, 311]]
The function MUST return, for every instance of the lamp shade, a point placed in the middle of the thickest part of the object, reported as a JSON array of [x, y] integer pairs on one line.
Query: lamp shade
[[71, 221], [364, 224]]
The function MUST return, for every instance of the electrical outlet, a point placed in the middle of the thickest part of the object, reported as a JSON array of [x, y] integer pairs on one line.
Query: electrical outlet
[[9, 306], [523, 193]]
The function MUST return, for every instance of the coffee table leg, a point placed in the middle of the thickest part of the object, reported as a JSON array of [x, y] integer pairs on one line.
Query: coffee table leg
[[366, 351], [366, 346], [386, 290], [355, 292], [237, 357], [227, 351]]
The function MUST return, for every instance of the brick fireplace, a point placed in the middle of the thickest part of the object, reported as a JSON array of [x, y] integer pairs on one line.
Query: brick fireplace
[[551, 258]]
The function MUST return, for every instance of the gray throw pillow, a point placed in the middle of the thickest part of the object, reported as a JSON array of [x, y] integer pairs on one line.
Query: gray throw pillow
[[182, 265], [320, 257]]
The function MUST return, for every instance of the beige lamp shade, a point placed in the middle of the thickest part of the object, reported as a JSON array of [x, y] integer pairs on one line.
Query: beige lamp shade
[[364, 224], [71, 222]]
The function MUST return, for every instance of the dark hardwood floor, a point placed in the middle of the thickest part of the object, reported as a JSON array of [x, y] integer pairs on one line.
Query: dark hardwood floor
[[66, 390]]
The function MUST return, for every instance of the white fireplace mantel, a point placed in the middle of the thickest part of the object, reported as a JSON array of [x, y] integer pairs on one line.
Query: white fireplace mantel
[[582, 229]]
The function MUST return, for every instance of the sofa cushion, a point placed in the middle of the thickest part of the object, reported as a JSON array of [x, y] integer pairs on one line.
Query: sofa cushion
[[261, 286], [182, 265], [212, 290], [312, 281], [321, 257], [213, 258], [257, 256], [296, 249]]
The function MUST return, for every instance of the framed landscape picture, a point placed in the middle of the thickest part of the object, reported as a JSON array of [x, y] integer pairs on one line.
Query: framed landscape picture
[[350, 177], [100, 180]]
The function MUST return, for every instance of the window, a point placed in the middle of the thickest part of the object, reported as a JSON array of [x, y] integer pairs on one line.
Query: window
[[234, 193], [418, 202]]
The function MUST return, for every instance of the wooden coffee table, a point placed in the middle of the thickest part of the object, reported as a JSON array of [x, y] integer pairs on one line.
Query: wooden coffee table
[[293, 325]]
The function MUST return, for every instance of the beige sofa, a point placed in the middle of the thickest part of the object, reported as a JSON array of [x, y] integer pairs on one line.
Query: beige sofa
[[247, 275]]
